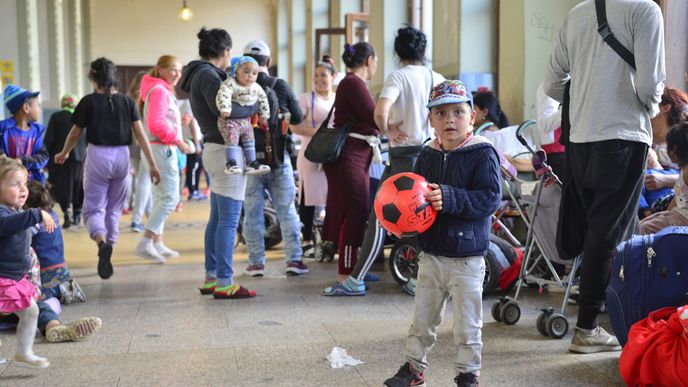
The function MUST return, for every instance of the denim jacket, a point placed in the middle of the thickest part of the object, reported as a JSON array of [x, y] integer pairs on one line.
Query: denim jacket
[[470, 180]]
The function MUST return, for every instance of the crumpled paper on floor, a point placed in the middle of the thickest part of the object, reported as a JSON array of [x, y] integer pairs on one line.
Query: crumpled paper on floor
[[338, 358]]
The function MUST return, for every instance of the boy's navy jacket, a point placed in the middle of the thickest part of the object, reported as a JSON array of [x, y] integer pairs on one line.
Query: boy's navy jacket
[[15, 237], [471, 191]]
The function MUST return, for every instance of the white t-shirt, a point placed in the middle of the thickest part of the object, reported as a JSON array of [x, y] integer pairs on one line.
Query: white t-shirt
[[185, 108], [409, 89], [681, 190]]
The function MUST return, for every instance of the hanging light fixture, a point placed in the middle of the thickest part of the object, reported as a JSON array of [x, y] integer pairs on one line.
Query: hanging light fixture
[[185, 13]]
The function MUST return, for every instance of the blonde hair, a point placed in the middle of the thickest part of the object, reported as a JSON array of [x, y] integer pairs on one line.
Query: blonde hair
[[164, 62], [8, 165]]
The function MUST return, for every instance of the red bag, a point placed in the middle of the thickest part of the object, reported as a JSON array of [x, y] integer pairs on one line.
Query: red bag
[[657, 350]]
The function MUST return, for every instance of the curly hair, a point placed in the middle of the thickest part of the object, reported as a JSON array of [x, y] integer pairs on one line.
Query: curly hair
[[410, 44], [677, 143], [213, 43], [39, 196]]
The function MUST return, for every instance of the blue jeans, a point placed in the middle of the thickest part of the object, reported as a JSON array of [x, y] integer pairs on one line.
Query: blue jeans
[[220, 234], [45, 315], [280, 183]]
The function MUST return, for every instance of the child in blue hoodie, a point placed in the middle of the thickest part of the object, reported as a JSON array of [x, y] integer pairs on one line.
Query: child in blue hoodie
[[49, 247], [464, 178]]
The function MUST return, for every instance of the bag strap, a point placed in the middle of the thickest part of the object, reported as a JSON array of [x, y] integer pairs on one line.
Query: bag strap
[[312, 109], [608, 36]]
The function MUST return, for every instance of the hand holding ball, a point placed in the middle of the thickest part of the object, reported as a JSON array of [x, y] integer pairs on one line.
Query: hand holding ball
[[401, 206]]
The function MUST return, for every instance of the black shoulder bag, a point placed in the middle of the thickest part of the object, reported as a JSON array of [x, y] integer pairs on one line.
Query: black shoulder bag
[[609, 38], [327, 143]]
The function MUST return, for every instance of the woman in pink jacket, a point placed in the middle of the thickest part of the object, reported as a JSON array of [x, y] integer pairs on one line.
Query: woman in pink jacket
[[163, 123]]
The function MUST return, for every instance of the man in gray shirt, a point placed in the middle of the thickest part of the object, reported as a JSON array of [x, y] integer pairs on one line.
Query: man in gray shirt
[[610, 109]]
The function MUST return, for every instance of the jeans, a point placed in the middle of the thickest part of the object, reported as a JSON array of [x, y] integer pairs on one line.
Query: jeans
[[45, 315], [280, 183], [438, 279], [166, 192], [220, 234], [143, 202]]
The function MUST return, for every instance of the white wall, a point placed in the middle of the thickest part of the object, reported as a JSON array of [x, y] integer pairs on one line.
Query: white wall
[[9, 39], [133, 32], [478, 36]]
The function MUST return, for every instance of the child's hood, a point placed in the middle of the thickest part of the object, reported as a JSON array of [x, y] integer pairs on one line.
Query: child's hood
[[472, 143], [148, 82]]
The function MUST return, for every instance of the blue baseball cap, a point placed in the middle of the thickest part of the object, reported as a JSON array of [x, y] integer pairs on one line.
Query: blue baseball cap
[[14, 97], [449, 91]]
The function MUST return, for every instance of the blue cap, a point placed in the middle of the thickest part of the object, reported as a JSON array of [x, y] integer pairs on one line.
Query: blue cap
[[15, 97], [449, 91], [237, 61]]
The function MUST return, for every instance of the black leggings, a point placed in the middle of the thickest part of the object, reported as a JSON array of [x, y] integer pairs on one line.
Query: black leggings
[[307, 214]]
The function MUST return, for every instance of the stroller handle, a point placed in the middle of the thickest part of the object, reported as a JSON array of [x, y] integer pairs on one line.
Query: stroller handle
[[519, 134]]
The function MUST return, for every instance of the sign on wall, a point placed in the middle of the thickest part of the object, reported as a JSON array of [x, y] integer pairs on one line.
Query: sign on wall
[[6, 71]]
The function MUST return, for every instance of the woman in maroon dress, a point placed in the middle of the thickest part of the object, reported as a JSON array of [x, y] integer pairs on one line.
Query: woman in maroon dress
[[347, 197]]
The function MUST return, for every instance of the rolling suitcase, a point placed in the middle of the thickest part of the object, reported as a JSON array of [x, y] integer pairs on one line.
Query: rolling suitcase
[[648, 272]]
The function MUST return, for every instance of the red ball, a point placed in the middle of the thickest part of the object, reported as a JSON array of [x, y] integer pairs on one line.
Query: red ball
[[401, 207]]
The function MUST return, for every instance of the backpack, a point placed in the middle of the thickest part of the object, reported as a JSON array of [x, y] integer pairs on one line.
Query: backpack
[[270, 143]]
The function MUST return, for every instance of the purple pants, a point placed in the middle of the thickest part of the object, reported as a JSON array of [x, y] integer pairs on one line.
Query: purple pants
[[106, 170]]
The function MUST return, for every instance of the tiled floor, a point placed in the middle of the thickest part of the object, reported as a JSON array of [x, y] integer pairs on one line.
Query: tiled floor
[[158, 330]]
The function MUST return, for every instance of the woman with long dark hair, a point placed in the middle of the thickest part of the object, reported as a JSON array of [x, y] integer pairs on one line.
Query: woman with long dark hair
[[110, 118]]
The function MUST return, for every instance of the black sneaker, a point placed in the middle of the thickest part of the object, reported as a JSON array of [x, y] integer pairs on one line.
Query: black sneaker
[[466, 380], [406, 377], [104, 263]]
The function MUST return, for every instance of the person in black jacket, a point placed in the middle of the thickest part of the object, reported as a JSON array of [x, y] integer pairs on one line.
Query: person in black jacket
[[465, 182], [67, 179], [279, 181]]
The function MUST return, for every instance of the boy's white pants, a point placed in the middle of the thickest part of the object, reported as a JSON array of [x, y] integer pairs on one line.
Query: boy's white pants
[[438, 279]]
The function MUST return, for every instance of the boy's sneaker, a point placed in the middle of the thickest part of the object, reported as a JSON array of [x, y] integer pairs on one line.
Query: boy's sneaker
[[147, 250], [598, 340], [71, 292], [165, 251], [296, 268], [231, 168], [256, 168], [466, 380], [406, 377], [256, 270], [137, 227], [410, 287], [78, 330]]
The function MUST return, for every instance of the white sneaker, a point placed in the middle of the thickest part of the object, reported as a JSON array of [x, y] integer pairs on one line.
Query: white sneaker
[[146, 250], [165, 251], [598, 340]]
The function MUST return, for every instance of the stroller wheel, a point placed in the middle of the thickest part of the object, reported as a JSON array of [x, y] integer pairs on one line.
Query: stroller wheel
[[325, 251], [541, 323], [495, 311], [510, 313], [403, 261], [557, 326]]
